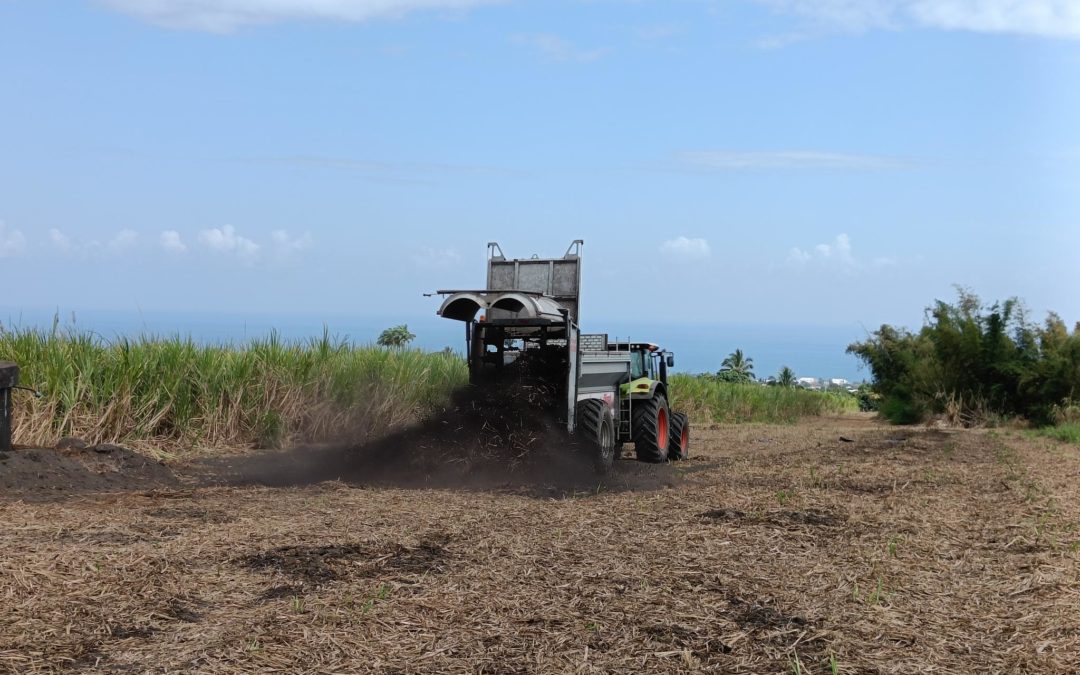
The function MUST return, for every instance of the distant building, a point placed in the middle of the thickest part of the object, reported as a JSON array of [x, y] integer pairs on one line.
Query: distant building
[[826, 384]]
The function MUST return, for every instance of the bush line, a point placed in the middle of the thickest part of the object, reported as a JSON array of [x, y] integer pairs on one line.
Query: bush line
[[171, 393], [706, 398]]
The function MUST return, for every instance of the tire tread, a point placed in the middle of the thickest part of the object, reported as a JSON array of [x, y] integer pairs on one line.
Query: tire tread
[[591, 416], [679, 421], [643, 430]]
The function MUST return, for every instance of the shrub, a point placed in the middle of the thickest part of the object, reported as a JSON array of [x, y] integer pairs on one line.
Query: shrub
[[972, 363], [1068, 432]]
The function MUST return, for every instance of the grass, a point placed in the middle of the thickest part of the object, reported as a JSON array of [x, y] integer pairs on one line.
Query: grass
[[894, 544], [706, 398], [873, 597], [796, 665], [1068, 432], [175, 394], [382, 593]]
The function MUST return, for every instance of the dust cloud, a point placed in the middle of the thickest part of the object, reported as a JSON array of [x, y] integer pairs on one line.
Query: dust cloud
[[484, 439]]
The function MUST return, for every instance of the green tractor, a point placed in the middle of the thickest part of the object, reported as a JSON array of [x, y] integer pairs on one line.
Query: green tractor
[[658, 434]]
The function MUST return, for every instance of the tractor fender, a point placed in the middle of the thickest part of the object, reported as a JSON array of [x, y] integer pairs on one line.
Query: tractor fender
[[607, 397], [643, 389]]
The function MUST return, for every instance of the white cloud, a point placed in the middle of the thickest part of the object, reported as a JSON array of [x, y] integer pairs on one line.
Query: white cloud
[[226, 241], [837, 254], [223, 16], [839, 250], [172, 242], [685, 248], [854, 15], [287, 246], [436, 258], [555, 48], [60, 240], [124, 240], [1046, 18], [799, 256], [734, 160], [12, 242], [1050, 18]]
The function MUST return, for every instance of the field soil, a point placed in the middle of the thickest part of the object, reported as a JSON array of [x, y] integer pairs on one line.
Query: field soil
[[74, 467], [835, 545]]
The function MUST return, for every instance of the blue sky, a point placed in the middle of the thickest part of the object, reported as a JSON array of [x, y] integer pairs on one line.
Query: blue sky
[[824, 162]]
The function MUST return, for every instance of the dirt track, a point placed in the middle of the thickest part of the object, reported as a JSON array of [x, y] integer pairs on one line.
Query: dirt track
[[902, 550]]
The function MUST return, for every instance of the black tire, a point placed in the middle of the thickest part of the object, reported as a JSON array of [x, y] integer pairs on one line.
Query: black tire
[[596, 428], [679, 437], [649, 427]]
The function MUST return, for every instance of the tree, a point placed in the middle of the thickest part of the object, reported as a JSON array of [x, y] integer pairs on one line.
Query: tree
[[396, 337], [786, 378], [973, 362], [737, 368]]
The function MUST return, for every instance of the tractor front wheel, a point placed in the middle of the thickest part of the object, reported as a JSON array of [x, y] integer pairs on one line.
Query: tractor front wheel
[[596, 425], [650, 429]]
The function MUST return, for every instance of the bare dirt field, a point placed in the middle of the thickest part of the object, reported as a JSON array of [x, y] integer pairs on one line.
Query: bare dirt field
[[837, 545]]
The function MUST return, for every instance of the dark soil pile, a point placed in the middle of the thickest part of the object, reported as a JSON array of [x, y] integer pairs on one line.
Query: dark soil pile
[[510, 426], [74, 467]]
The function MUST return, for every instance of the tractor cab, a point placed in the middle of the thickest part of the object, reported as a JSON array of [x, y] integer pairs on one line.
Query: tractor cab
[[647, 360]]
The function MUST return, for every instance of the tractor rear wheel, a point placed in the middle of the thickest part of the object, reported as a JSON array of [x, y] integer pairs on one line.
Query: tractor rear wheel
[[596, 425], [679, 439], [650, 428]]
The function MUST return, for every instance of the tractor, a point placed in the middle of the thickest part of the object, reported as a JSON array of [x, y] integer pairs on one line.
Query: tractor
[[522, 330]]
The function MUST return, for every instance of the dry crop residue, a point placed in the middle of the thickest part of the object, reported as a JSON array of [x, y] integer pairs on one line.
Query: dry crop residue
[[904, 550]]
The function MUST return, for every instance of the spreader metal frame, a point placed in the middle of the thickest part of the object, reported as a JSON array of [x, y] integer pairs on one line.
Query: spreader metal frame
[[9, 379]]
